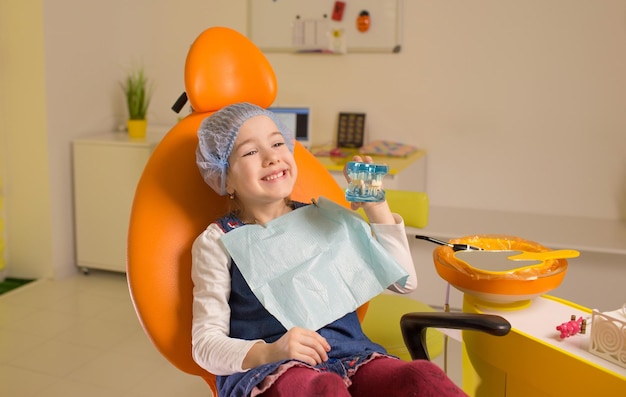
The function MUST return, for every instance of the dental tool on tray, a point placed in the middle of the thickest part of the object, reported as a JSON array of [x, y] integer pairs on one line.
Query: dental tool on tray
[[455, 247]]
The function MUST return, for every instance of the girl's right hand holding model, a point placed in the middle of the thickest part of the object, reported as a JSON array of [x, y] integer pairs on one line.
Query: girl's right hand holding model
[[298, 343]]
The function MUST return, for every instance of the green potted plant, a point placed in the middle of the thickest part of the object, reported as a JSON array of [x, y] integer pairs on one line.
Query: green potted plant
[[138, 93]]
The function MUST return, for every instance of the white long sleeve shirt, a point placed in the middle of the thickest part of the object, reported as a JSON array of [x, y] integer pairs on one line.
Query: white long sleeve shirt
[[212, 348]]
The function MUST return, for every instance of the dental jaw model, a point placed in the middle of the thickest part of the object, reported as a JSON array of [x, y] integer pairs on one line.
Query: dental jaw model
[[366, 182]]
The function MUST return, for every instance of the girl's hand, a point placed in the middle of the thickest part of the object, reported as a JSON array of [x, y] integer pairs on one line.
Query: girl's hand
[[298, 343], [301, 344]]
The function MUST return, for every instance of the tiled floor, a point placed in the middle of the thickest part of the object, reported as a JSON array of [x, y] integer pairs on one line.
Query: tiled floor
[[80, 337]]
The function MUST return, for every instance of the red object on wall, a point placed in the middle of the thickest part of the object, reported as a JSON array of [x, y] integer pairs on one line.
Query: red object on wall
[[338, 10]]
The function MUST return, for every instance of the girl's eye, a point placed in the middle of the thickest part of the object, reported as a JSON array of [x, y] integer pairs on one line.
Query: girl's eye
[[250, 153], [277, 144]]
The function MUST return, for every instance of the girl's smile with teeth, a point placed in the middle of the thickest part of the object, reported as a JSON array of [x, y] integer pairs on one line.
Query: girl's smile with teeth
[[274, 176]]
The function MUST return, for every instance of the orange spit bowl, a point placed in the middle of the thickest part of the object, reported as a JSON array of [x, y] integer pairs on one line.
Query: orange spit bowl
[[518, 284]]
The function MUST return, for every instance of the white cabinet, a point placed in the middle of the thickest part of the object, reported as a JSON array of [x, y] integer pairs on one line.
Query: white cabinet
[[106, 170]]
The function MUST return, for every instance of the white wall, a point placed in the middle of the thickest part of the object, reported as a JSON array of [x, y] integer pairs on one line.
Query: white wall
[[62, 62], [520, 105], [89, 48]]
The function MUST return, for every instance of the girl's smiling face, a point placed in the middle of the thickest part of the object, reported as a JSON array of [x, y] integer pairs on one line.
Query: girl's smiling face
[[261, 169]]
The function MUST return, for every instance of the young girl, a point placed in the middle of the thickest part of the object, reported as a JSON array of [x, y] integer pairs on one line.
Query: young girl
[[245, 152]]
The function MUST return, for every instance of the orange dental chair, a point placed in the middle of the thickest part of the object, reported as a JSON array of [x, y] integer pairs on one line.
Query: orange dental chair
[[173, 205]]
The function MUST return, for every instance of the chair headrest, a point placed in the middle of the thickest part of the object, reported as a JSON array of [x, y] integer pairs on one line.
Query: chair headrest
[[224, 67]]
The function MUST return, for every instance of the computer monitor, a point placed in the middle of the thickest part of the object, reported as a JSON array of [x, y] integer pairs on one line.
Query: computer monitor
[[298, 120]]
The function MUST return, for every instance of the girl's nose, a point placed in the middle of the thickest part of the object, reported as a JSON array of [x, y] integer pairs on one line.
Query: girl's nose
[[270, 159]]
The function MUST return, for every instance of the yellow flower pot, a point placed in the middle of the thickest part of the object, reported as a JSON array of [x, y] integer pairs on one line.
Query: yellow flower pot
[[137, 128]]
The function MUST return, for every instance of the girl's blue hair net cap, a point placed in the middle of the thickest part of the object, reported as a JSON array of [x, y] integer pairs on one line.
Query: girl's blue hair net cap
[[217, 135]]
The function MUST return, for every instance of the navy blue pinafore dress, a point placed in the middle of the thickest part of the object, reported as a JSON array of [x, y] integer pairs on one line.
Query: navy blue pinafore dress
[[250, 320]]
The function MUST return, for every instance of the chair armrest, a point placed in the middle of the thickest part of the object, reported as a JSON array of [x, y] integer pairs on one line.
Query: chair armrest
[[414, 326]]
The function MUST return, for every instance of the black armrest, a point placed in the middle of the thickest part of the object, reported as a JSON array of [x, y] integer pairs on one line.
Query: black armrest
[[414, 327]]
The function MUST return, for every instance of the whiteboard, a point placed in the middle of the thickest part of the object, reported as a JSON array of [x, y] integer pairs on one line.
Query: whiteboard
[[273, 24]]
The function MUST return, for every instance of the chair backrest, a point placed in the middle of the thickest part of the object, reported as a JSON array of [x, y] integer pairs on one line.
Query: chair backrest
[[173, 205]]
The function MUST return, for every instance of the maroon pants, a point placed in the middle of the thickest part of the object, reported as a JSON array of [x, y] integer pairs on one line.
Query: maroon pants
[[382, 376]]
